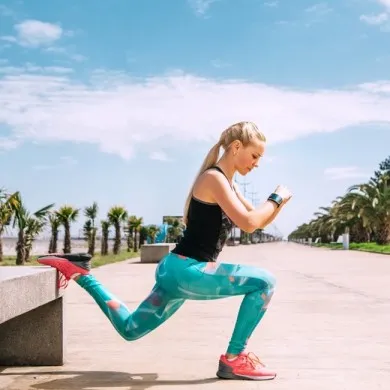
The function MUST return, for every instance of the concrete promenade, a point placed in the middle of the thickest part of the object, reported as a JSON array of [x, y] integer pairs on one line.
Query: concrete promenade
[[328, 327]]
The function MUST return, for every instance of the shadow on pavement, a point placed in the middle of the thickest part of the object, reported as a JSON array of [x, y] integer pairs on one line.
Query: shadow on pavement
[[43, 380]]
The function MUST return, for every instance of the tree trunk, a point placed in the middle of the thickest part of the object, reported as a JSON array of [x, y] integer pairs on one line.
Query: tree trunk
[[89, 241], [20, 249], [358, 233], [92, 242], [129, 240], [135, 244], [117, 242], [27, 254], [1, 248], [53, 242], [104, 249], [142, 238], [383, 234], [67, 242]]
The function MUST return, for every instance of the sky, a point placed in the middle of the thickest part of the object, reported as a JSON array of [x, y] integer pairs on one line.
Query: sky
[[119, 101]]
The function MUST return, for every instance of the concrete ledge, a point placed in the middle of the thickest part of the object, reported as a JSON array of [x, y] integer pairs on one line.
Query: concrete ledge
[[153, 253], [31, 317]]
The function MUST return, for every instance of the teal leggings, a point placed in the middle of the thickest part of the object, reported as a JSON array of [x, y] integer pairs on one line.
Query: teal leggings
[[180, 278]]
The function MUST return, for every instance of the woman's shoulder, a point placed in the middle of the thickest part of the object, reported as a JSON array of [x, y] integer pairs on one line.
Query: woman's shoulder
[[209, 183], [212, 176]]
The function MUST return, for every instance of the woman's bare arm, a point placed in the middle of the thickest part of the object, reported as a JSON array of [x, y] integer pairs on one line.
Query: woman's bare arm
[[248, 205], [219, 190]]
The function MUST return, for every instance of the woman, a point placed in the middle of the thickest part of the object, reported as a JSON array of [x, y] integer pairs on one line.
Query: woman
[[190, 271]]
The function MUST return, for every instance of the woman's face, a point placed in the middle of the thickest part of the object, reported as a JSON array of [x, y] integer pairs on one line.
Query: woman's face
[[247, 157]]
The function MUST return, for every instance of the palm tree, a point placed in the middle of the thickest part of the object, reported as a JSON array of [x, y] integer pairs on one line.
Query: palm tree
[[105, 232], [54, 225], [22, 220], [356, 226], [137, 224], [129, 229], [117, 215], [87, 230], [34, 227], [66, 215], [8, 205], [89, 226], [371, 202], [153, 230], [363, 212], [143, 235], [175, 229], [303, 231]]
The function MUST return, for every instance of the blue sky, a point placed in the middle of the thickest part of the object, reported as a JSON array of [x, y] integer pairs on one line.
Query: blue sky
[[118, 102]]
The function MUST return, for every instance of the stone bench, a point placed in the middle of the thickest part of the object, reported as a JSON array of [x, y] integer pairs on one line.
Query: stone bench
[[31, 317], [153, 253]]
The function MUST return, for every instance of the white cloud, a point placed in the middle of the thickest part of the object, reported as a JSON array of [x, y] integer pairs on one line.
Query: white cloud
[[55, 49], [31, 68], [8, 143], [64, 161], [319, 9], [381, 19], [34, 33], [219, 63], [160, 156], [78, 57], [317, 13], [118, 113], [200, 7], [5, 11], [285, 23], [271, 3], [386, 3], [65, 52], [375, 19], [377, 87], [341, 173], [8, 38], [68, 160]]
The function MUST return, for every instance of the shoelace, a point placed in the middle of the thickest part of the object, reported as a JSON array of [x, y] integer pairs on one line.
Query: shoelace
[[252, 359], [62, 281]]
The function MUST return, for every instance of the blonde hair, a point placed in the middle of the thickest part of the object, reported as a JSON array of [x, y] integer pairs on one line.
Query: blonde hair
[[241, 131]]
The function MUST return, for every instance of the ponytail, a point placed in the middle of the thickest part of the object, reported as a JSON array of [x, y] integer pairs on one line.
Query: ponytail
[[210, 160]]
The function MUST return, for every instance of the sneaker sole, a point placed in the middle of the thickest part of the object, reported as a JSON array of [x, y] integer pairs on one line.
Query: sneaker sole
[[78, 267], [79, 260], [226, 372]]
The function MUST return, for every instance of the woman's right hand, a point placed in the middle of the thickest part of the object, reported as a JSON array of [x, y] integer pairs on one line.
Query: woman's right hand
[[284, 192]]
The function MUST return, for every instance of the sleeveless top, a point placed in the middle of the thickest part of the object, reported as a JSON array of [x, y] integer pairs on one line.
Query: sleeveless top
[[208, 229]]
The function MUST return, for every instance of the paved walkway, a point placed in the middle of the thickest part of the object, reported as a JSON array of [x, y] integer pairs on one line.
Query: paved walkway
[[327, 328]]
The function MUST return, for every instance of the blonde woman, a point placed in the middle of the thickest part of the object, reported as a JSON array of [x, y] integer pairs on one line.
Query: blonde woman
[[191, 270]]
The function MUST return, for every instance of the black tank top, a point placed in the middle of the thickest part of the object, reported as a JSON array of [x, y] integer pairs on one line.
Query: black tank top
[[207, 231]]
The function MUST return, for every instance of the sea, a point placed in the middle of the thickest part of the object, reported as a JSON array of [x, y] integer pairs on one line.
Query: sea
[[41, 246]]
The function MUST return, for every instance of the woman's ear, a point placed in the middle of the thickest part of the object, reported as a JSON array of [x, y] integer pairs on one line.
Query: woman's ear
[[236, 146]]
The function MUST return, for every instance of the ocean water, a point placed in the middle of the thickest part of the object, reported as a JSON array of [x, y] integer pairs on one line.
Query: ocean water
[[41, 246]]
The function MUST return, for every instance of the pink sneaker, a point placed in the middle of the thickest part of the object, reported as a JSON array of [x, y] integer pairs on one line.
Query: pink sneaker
[[245, 366], [69, 265]]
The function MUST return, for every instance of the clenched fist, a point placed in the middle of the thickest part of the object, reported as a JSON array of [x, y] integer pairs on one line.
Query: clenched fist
[[284, 193]]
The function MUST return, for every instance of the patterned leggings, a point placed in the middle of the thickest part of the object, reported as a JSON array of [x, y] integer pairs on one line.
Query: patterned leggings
[[180, 278]]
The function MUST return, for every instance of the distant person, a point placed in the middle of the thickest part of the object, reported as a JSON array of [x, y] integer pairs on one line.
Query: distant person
[[190, 271]]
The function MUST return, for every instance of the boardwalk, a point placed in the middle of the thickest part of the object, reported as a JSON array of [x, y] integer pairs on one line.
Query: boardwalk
[[327, 328]]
